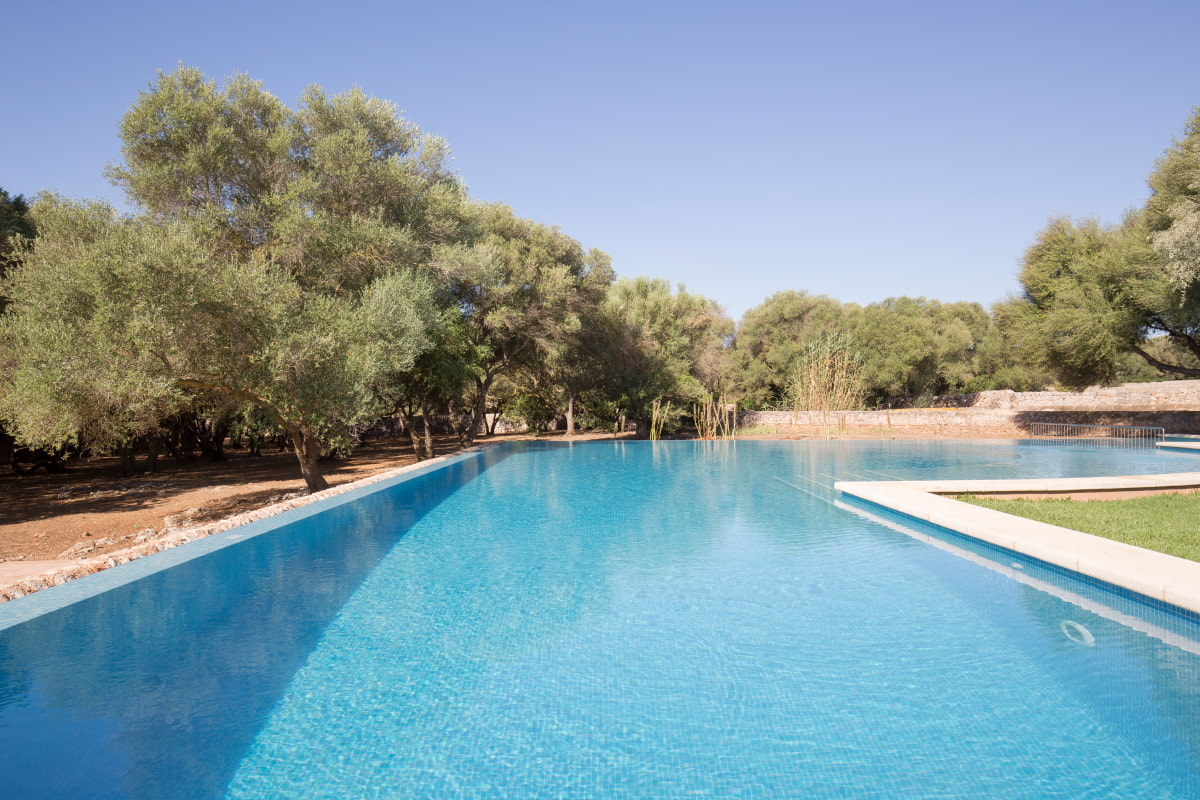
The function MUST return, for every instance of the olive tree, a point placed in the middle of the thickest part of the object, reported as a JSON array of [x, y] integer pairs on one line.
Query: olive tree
[[16, 227], [279, 256], [771, 340], [913, 347], [118, 322], [650, 344], [1092, 293], [522, 290]]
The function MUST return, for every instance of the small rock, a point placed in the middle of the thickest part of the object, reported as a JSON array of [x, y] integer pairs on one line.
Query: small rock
[[143, 535], [77, 549]]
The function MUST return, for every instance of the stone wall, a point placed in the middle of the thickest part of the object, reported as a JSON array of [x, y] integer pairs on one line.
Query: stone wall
[[1159, 396], [1173, 405]]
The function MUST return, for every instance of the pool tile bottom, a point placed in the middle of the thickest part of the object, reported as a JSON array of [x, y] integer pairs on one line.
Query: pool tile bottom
[[741, 660]]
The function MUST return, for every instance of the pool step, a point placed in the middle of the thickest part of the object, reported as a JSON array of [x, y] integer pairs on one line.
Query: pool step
[[1194, 445]]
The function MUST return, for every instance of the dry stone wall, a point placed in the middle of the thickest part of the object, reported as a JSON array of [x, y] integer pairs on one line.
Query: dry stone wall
[[1159, 396], [1173, 405]]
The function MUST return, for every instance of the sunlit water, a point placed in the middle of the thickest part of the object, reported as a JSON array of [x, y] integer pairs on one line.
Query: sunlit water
[[637, 619]]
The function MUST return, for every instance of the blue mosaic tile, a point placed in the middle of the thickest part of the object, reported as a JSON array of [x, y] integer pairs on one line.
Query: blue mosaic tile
[[630, 619]]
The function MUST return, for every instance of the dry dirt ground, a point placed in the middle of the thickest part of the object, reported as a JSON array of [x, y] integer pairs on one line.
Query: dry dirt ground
[[43, 516]]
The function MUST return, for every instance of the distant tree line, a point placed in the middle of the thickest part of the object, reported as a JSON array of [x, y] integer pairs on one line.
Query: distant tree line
[[300, 273]]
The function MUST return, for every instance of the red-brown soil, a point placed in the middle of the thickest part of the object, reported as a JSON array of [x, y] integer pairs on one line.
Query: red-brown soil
[[41, 516]]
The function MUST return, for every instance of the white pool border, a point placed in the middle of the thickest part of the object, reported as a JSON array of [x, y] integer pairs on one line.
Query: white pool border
[[1169, 579]]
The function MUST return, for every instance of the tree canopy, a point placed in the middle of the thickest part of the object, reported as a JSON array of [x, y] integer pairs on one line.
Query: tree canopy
[[654, 344], [276, 258], [15, 225], [772, 336], [522, 290], [1091, 293]]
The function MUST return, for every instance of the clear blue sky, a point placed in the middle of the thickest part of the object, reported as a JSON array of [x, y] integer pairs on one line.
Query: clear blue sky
[[856, 149]]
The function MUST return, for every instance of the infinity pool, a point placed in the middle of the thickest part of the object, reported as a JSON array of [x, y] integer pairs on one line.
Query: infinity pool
[[613, 619]]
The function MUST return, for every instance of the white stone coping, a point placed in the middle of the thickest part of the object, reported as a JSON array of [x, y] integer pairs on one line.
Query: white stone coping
[[1178, 445], [1172, 580]]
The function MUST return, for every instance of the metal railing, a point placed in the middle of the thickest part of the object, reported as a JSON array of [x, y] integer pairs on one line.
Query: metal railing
[[1099, 435]]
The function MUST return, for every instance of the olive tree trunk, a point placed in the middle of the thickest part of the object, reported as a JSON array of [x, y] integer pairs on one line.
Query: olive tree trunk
[[570, 414], [307, 452], [409, 424], [478, 408]]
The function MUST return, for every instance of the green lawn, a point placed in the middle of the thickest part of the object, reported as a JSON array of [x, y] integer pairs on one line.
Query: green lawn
[[1168, 523]]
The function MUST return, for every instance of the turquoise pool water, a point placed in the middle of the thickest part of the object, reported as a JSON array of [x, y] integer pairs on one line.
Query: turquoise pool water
[[608, 619]]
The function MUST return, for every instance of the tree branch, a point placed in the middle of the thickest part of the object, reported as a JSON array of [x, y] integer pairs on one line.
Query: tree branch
[[236, 394], [1162, 365]]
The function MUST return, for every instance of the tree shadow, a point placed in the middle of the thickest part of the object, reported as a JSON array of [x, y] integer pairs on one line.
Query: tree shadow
[[97, 486]]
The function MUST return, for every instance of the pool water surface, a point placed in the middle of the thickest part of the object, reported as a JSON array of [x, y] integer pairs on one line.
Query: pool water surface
[[632, 619]]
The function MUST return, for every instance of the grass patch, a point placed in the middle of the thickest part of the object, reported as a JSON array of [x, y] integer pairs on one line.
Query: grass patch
[[1167, 523], [755, 430]]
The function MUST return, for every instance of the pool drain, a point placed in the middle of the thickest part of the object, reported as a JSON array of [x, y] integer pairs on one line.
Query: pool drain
[[1077, 633]]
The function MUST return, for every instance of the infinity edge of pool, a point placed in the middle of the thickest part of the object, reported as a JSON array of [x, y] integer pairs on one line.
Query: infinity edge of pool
[[52, 598]]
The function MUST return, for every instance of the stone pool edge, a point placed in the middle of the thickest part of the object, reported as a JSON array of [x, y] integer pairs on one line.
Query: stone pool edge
[[1169, 579], [56, 577]]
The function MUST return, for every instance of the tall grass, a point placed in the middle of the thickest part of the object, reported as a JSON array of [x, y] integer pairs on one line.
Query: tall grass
[[827, 376], [659, 414], [714, 418]]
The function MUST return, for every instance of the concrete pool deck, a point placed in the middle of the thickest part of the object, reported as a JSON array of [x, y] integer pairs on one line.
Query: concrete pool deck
[[1192, 445], [1162, 577], [16, 571]]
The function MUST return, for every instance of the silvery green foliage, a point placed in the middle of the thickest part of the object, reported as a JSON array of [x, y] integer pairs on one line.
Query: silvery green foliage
[[279, 257], [522, 290], [915, 348], [771, 337], [1179, 245], [1176, 176], [1094, 293], [73, 332], [652, 344], [116, 321], [1172, 211]]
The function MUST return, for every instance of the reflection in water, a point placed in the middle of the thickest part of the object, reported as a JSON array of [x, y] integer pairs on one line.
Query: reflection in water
[[611, 619], [162, 683]]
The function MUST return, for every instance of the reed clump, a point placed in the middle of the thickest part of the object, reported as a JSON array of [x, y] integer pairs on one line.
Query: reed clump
[[659, 414], [828, 376], [715, 419]]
